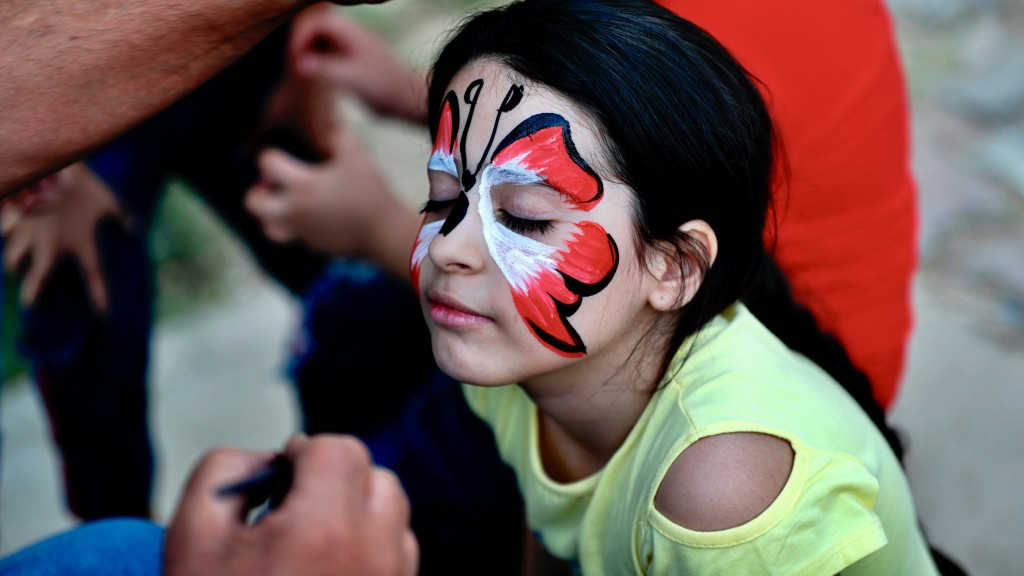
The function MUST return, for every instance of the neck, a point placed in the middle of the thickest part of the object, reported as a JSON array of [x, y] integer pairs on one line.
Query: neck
[[583, 421]]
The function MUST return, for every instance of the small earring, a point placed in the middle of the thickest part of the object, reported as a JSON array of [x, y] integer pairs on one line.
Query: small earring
[[661, 302]]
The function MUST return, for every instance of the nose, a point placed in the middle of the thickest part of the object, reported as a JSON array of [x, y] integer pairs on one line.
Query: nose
[[462, 249]]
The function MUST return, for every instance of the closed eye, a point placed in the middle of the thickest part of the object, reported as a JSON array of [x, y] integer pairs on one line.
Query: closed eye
[[523, 225], [432, 206]]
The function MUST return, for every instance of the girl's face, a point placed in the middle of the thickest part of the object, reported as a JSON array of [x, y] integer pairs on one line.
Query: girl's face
[[525, 263]]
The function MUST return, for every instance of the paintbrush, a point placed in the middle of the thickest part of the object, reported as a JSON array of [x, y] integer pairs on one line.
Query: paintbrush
[[266, 487]]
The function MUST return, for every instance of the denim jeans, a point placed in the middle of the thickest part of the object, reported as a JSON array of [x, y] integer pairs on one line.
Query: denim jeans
[[113, 547]]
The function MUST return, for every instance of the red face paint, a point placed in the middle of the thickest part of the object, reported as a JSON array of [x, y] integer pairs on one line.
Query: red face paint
[[552, 288]]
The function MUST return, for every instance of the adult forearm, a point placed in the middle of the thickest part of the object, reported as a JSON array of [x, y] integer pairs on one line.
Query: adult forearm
[[76, 73]]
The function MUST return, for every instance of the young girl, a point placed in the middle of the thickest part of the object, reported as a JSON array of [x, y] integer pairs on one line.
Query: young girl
[[599, 188]]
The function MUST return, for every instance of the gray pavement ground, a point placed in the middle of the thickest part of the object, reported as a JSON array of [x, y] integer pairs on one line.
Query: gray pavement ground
[[217, 375]]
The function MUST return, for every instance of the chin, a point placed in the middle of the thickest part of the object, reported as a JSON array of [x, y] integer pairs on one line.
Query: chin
[[471, 376], [472, 369]]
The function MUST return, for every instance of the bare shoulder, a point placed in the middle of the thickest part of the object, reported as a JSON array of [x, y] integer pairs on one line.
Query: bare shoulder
[[724, 481]]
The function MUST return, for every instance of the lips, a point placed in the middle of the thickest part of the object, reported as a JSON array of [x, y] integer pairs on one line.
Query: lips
[[447, 311]]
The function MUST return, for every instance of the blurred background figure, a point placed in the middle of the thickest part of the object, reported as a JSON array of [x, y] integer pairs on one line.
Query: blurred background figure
[[78, 242]]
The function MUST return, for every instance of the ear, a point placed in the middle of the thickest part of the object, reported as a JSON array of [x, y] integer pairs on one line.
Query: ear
[[676, 282]]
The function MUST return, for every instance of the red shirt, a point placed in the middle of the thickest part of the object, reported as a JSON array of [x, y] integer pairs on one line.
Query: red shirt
[[847, 216]]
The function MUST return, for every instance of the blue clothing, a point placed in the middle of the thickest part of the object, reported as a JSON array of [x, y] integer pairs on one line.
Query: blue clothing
[[114, 547], [356, 320]]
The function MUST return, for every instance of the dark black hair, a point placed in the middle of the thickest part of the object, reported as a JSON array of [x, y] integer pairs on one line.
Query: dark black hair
[[685, 128]]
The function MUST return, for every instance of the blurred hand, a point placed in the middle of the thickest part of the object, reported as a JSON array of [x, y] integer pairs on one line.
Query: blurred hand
[[61, 220], [328, 45], [300, 115], [342, 516], [341, 206]]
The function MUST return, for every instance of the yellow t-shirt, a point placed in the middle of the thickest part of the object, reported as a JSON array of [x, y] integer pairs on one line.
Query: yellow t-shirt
[[846, 506]]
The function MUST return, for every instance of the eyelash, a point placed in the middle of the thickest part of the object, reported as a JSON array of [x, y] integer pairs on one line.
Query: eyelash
[[522, 225], [431, 206], [513, 223]]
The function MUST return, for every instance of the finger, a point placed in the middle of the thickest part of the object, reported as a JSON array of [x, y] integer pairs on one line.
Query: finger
[[205, 523], [317, 40], [327, 41], [266, 197], [281, 168], [88, 258], [15, 251], [122, 218], [310, 63], [340, 72], [10, 214], [254, 197], [38, 271], [387, 499], [333, 470], [295, 443], [411, 552], [202, 505], [388, 508], [272, 210], [320, 29]]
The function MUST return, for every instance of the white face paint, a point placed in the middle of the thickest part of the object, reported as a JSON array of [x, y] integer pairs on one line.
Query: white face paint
[[517, 256], [423, 240], [441, 161]]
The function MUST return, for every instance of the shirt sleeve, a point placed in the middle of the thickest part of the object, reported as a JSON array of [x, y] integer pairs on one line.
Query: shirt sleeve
[[822, 522]]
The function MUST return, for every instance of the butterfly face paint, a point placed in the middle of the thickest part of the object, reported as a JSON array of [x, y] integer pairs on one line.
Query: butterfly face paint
[[441, 160], [548, 282]]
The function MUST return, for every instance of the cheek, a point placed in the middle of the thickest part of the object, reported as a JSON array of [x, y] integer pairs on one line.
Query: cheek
[[590, 257], [550, 290]]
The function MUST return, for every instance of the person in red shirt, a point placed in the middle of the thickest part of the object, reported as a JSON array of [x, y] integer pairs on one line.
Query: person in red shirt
[[846, 206]]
